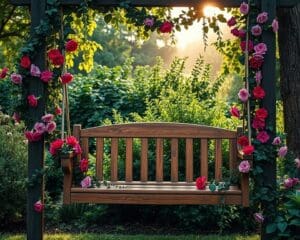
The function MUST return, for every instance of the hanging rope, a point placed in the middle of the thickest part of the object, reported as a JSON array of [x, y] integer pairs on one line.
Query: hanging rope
[[247, 76]]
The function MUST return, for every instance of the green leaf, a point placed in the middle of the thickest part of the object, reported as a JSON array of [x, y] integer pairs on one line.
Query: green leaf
[[107, 18], [271, 228], [295, 222], [282, 226]]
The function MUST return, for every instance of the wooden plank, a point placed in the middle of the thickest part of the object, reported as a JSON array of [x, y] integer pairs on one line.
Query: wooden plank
[[165, 3], [232, 154], [218, 159], [85, 147], [99, 158], [156, 183], [189, 159], [158, 130], [174, 160], [144, 160], [114, 160], [204, 157], [128, 166], [159, 160], [159, 199], [245, 189], [66, 165], [36, 150]]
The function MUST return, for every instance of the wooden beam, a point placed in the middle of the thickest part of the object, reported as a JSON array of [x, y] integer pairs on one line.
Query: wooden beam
[[36, 150], [165, 3]]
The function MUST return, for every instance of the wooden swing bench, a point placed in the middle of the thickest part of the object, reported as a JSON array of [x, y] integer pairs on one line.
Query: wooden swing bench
[[158, 192]]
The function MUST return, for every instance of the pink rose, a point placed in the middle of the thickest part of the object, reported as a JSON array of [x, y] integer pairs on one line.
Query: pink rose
[[258, 123], [46, 76], [84, 165], [58, 111], [33, 136], [77, 149], [256, 30], [39, 206], [290, 182], [50, 127], [258, 77], [297, 162], [16, 78], [201, 183], [243, 95], [231, 22], [258, 217], [39, 127], [260, 48], [86, 182], [149, 22], [47, 117], [244, 166], [276, 141], [166, 27], [235, 112], [32, 100], [66, 78], [3, 73], [244, 8], [35, 71], [275, 25], [263, 136], [262, 17], [243, 46], [71, 46], [282, 151]]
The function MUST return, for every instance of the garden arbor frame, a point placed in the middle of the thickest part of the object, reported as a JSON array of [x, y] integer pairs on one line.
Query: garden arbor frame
[[36, 149]]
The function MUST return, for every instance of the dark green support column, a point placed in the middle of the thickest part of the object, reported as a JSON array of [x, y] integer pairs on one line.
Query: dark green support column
[[35, 222], [269, 102]]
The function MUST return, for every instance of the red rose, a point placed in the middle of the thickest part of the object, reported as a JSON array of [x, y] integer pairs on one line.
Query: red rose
[[235, 32], [263, 136], [258, 123], [25, 62], [256, 61], [39, 206], [55, 146], [248, 150], [72, 141], [235, 112], [243, 46], [58, 111], [33, 136], [261, 113], [84, 165], [32, 100], [3, 73], [77, 149], [201, 183], [71, 46], [231, 22], [56, 57], [259, 92], [166, 27], [243, 141], [66, 78]]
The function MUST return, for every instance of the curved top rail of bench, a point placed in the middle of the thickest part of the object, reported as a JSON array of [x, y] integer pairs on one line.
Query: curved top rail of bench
[[156, 130]]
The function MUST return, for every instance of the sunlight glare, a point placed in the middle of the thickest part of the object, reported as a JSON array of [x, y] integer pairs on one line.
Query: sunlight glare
[[210, 11]]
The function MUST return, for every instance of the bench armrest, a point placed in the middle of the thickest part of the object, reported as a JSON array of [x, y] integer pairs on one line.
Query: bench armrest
[[67, 168]]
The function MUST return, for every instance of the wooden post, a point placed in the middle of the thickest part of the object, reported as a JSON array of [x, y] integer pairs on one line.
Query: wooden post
[[269, 102], [35, 223]]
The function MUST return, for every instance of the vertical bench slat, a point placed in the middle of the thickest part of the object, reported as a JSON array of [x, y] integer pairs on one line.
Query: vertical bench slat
[[99, 158], [128, 168], [144, 160], [85, 147], [232, 154], [189, 159], [204, 158], [174, 160], [159, 159], [218, 159], [114, 160]]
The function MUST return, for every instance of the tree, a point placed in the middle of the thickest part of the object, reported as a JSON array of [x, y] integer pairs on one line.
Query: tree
[[289, 48]]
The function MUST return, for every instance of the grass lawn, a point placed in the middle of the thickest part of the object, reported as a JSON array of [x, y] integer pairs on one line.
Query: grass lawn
[[130, 237]]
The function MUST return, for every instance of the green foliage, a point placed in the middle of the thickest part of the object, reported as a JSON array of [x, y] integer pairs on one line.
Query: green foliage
[[13, 169]]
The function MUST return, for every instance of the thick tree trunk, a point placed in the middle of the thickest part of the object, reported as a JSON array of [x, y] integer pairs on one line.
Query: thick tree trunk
[[289, 48]]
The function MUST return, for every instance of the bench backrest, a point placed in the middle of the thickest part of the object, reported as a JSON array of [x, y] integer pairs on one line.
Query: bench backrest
[[159, 132]]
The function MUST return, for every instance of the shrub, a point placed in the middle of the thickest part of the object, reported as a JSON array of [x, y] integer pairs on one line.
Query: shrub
[[13, 170]]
